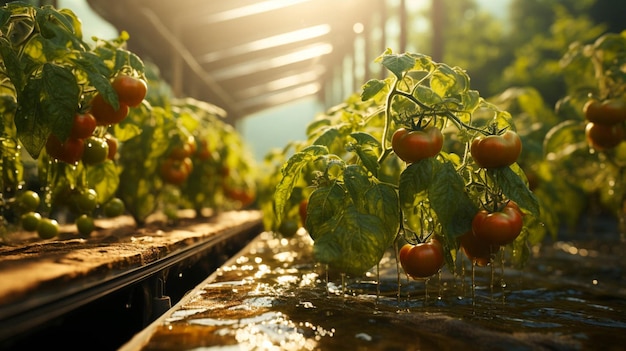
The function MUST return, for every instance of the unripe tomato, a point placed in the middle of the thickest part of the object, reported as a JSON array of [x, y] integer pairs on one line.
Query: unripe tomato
[[96, 150], [28, 201], [83, 126], [114, 207], [422, 260], [30, 221], [85, 225], [414, 145], [288, 228], [47, 228], [84, 201], [104, 113], [603, 137], [130, 90], [498, 228], [496, 151]]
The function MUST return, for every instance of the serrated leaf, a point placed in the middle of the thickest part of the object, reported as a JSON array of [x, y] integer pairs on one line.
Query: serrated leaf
[[371, 88], [415, 179], [514, 188], [291, 172], [356, 181], [103, 177], [426, 95], [324, 203], [398, 63], [368, 150], [351, 242], [446, 81], [448, 198], [382, 200]]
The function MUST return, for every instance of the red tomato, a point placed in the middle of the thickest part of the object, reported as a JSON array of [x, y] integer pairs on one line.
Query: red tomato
[[495, 151], [130, 90], [112, 142], [176, 171], [498, 228], [105, 114], [476, 250], [422, 260], [603, 136], [69, 151], [83, 126], [608, 112], [414, 145]]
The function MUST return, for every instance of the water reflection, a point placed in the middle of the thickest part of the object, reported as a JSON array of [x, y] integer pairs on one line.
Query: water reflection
[[276, 298]]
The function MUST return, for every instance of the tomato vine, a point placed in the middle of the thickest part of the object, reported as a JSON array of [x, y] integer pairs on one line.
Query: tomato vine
[[367, 189]]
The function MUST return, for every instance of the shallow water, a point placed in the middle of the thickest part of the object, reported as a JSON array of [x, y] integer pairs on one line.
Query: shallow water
[[570, 296]]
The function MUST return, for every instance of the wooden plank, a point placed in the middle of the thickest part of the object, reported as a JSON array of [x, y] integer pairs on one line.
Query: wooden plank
[[38, 273]]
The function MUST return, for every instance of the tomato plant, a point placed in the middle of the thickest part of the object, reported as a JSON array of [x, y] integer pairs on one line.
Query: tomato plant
[[394, 161], [414, 145]]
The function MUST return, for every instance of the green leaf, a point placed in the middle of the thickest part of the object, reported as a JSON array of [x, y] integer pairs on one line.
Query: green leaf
[[398, 64], [103, 177], [416, 178], [448, 198], [291, 172], [356, 181], [11, 62], [324, 203], [46, 104], [448, 81], [382, 200], [329, 135], [351, 242], [368, 149], [426, 95], [514, 187], [371, 88], [564, 139]]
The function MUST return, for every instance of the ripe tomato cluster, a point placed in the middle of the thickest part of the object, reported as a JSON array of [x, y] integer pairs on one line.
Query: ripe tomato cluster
[[82, 144], [605, 123], [497, 150], [177, 166], [422, 260], [414, 145], [490, 231]]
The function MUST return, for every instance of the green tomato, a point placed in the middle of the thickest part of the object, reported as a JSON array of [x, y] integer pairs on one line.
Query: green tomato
[[48, 228], [115, 207], [28, 201], [85, 225], [84, 201], [96, 151], [30, 221]]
